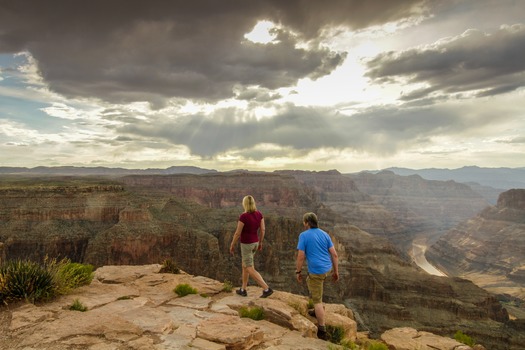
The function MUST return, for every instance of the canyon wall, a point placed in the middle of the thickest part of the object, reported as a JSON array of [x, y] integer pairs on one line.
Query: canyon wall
[[415, 206], [489, 248], [191, 219]]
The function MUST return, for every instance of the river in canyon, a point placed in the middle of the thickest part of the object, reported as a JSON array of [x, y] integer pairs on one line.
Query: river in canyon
[[419, 247]]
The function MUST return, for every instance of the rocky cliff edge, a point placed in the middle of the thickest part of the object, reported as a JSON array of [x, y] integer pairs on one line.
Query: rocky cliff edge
[[135, 307]]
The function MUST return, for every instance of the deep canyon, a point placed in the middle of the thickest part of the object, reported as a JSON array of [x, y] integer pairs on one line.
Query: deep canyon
[[372, 218]]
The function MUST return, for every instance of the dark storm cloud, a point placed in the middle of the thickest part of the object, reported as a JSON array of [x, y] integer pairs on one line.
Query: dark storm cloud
[[491, 63], [122, 50], [379, 131]]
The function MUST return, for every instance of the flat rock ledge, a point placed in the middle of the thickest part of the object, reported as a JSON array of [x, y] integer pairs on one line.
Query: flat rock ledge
[[135, 308]]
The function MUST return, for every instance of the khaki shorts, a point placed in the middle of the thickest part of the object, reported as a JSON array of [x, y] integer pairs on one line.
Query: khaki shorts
[[247, 253], [315, 286]]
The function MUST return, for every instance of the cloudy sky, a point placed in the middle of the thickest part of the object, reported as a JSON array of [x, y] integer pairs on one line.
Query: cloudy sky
[[263, 84]]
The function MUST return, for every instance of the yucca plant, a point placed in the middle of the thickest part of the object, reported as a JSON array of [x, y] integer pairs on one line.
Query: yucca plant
[[335, 333], [26, 280], [169, 266]]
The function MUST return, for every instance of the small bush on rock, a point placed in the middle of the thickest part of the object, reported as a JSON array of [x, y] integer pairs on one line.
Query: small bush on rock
[[255, 313], [375, 345], [78, 306], [168, 266], [31, 281], [71, 275], [463, 338], [335, 333], [25, 280], [227, 286], [184, 289]]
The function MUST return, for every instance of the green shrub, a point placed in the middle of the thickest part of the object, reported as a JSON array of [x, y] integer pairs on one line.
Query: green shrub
[[25, 280], [255, 313], [168, 266], [375, 345], [71, 275], [227, 286], [31, 281], [463, 338], [184, 289], [335, 333], [77, 306], [348, 344]]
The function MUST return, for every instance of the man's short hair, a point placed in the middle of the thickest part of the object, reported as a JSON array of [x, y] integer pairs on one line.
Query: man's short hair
[[311, 219]]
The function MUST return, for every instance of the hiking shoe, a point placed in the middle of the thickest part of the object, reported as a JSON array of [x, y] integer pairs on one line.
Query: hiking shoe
[[312, 312], [242, 292], [322, 334], [267, 293]]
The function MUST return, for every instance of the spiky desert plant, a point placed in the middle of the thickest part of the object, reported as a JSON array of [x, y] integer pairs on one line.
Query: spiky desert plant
[[335, 333], [25, 280], [169, 266]]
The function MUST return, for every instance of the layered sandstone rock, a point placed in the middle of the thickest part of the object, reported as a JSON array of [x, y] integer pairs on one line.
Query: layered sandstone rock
[[135, 307], [409, 338]]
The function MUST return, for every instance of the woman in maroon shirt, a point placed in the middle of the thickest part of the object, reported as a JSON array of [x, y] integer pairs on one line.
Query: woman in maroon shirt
[[250, 223]]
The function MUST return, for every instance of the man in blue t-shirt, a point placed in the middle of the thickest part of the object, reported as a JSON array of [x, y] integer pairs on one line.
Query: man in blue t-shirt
[[317, 248]]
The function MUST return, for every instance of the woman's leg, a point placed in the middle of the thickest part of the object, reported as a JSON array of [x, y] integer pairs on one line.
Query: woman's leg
[[245, 276], [250, 270]]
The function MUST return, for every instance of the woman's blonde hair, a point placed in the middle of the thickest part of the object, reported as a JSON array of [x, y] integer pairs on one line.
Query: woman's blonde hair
[[248, 203]]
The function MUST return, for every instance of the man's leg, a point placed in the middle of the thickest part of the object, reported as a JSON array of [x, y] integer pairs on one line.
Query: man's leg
[[319, 314], [315, 286]]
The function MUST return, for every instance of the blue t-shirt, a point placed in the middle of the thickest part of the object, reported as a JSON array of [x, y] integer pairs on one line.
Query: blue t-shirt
[[315, 244]]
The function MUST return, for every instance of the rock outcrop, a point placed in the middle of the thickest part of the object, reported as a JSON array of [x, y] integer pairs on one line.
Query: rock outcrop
[[135, 307], [489, 248], [409, 338]]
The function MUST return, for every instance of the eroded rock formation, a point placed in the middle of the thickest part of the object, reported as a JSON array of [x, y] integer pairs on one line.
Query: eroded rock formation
[[135, 307], [488, 249], [417, 205]]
